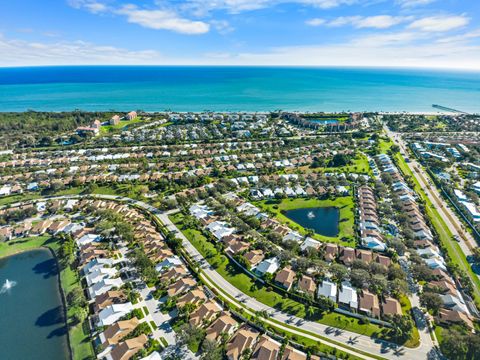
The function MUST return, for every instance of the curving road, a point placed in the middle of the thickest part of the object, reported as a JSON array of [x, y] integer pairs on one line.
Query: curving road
[[342, 339]]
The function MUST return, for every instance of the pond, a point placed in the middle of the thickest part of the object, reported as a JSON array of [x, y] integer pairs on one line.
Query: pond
[[323, 220], [32, 320], [325, 121]]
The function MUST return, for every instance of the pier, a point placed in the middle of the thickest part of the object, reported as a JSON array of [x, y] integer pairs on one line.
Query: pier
[[440, 107]]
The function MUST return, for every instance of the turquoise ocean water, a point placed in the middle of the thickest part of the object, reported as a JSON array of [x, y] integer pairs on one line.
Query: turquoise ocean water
[[155, 88]]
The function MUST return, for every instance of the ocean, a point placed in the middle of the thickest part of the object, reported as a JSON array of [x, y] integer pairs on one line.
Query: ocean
[[159, 88]]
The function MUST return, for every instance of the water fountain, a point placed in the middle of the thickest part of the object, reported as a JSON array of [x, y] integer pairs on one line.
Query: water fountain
[[7, 286], [311, 215]]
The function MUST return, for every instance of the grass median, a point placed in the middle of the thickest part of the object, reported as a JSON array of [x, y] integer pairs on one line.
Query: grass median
[[235, 276]]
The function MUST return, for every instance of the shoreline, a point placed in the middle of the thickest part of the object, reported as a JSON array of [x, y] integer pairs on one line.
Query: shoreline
[[297, 111]]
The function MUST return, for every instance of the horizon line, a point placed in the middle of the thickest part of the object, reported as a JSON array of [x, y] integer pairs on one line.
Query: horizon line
[[385, 67]]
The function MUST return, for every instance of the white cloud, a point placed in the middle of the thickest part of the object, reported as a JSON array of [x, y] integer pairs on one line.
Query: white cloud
[[414, 3], [315, 22], [203, 7], [366, 54], [92, 6], [157, 19], [222, 26], [162, 20], [460, 38], [23, 53], [440, 23], [359, 22], [396, 49]]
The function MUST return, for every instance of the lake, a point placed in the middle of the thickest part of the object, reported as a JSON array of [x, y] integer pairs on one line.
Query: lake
[[32, 321], [323, 220]]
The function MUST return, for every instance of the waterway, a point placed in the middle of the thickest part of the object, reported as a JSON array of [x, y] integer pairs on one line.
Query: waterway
[[32, 323]]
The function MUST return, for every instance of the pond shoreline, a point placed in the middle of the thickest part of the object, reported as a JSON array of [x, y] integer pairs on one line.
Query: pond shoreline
[[60, 289]]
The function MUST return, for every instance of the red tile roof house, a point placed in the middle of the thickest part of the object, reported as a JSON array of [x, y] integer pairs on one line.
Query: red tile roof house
[[331, 252], [285, 278], [391, 306], [181, 286], [244, 339], [205, 313], [368, 304], [5, 233], [254, 257], [225, 324], [454, 317], [195, 297], [128, 348], [347, 255], [307, 285]]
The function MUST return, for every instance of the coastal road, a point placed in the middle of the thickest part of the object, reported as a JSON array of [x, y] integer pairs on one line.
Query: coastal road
[[342, 339]]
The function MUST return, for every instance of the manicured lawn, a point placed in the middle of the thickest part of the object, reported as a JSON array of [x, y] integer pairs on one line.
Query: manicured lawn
[[359, 165], [244, 283], [79, 335], [346, 224], [114, 128], [16, 198], [24, 244]]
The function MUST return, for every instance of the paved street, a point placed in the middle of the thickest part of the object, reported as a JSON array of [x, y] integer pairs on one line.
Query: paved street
[[466, 241], [350, 340]]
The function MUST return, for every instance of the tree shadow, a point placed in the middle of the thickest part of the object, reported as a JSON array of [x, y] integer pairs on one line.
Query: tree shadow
[[47, 268], [61, 331], [51, 317]]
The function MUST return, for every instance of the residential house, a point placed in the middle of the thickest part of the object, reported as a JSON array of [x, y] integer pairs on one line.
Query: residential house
[[205, 313], [244, 339], [307, 285], [368, 304], [194, 297], [391, 306], [285, 278], [225, 324], [290, 353], [328, 289], [115, 332], [347, 296], [180, 286], [267, 266], [254, 257], [112, 313], [449, 317], [109, 298], [103, 286], [266, 349], [309, 244], [128, 348]]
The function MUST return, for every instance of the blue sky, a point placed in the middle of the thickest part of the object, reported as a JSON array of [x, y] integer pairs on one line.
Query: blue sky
[[406, 33]]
